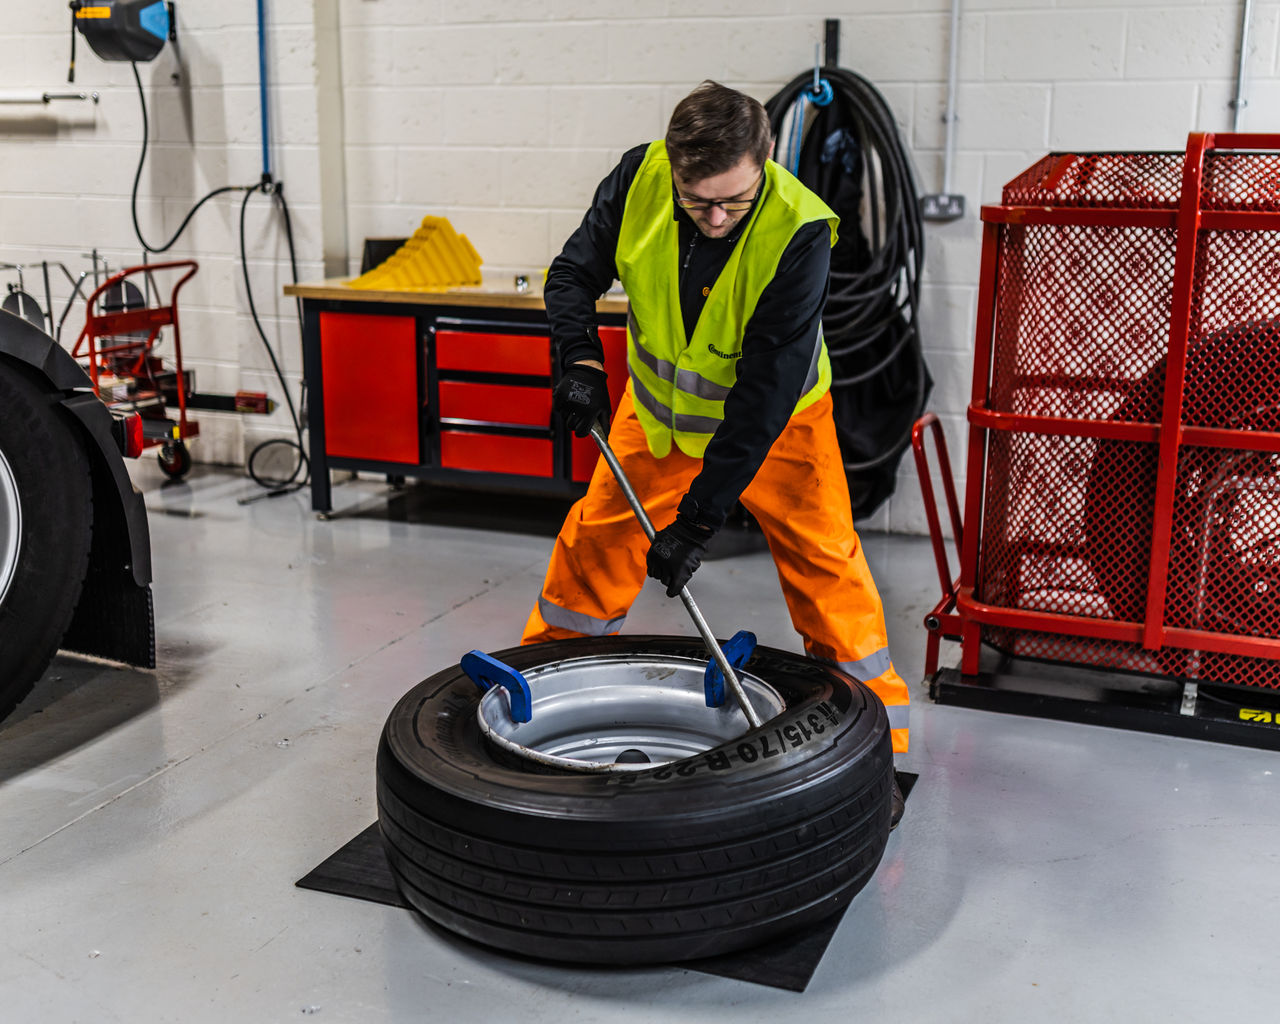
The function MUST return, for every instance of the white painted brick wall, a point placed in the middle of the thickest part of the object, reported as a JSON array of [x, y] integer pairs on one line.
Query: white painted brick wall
[[66, 171], [503, 115]]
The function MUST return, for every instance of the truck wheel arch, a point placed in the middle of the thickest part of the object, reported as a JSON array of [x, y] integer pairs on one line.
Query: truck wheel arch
[[113, 617]]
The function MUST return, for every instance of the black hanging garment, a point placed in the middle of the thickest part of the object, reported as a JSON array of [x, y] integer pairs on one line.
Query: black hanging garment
[[849, 153]]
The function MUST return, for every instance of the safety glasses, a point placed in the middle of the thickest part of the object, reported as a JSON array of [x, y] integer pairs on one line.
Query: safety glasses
[[728, 205]]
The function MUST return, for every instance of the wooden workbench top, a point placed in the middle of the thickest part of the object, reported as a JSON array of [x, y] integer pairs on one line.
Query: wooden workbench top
[[480, 295]]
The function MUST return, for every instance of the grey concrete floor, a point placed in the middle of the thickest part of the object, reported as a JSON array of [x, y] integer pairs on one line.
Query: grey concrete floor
[[154, 822]]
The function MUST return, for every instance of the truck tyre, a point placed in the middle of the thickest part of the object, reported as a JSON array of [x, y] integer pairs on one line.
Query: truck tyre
[[769, 832], [46, 517]]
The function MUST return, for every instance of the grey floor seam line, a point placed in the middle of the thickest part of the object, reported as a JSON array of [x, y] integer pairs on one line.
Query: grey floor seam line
[[105, 803]]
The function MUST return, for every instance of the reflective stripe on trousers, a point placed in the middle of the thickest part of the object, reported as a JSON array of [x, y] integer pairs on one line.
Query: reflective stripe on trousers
[[869, 670], [563, 618], [799, 497]]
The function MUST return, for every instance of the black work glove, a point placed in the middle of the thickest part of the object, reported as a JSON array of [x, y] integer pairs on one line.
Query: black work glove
[[676, 552], [582, 397]]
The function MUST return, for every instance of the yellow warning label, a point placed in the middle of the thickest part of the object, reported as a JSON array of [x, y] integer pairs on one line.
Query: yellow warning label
[[94, 12], [1250, 715]]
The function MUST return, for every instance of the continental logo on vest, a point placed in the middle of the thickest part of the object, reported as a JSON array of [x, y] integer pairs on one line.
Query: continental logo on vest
[[723, 355]]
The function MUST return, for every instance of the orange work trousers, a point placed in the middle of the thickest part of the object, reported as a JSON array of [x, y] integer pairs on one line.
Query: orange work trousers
[[799, 497]]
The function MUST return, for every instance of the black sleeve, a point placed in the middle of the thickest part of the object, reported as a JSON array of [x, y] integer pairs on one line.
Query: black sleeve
[[586, 268], [778, 349]]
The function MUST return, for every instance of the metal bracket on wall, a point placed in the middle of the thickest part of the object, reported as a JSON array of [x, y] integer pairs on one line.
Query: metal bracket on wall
[[46, 97], [1238, 102]]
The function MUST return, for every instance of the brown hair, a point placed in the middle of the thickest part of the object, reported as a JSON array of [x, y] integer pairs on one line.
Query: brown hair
[[713, 128]]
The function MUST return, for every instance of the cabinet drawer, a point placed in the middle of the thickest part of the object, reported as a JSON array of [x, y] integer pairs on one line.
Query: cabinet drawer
[[496, 453], [495, 403], [583, 457], [493, 353]]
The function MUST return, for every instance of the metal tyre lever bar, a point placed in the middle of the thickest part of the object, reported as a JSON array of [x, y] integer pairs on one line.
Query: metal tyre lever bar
[[708, 637]]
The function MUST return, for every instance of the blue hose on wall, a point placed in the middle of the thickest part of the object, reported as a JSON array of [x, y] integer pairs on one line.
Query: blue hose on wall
[[262, 90]]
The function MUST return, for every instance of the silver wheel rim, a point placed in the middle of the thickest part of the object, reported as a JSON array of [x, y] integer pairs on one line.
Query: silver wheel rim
[[10, 527], [589, 711]]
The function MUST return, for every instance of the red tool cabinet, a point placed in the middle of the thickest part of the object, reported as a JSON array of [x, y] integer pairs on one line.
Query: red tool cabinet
[[369, 365], [1122, 506], [454, 387]]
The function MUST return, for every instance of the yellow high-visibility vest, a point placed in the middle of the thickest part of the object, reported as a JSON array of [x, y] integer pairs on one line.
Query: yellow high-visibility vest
[[680, 384]]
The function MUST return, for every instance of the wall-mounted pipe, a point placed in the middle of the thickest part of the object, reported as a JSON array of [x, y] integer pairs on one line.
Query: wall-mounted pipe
[[953, 64], [262, 90], [1239, 103]]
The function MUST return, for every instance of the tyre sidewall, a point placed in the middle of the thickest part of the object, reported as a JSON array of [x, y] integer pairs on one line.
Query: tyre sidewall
[[51, 475]]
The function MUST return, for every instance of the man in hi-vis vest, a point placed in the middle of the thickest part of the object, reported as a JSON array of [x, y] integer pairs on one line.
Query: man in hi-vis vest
[[725, 258]]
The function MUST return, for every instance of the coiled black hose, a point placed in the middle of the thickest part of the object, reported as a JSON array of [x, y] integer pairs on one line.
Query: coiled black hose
[[851, 155]]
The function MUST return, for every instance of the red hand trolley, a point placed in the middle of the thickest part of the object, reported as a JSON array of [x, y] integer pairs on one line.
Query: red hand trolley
[[118, 341]]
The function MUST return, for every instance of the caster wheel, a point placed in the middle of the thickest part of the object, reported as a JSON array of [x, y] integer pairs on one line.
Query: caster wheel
[[174, 460]]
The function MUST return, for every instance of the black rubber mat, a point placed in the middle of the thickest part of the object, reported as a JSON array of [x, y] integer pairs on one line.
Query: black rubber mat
[[360, 870]]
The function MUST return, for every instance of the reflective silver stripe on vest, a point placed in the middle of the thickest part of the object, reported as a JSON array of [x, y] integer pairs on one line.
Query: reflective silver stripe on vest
[[685, 423], [562, 618], [655, 408], [694, 384], [864, 669], [663, 369], [685, 380]]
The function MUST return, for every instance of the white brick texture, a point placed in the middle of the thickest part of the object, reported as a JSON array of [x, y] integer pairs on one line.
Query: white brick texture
[[66, 171]]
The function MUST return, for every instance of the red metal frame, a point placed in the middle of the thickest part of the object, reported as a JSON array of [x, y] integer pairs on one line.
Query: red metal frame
[[942, 621], [134, 355], [963, 611]]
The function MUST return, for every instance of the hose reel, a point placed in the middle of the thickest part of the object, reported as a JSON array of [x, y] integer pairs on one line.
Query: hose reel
[[121, 30]]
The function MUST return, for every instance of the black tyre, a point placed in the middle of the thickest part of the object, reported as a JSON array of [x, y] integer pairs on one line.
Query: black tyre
[[46, 517], [175, 460], [764, 834]]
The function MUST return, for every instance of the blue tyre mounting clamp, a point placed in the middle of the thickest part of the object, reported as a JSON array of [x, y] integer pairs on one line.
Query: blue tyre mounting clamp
[[487, 672], [737, 652]]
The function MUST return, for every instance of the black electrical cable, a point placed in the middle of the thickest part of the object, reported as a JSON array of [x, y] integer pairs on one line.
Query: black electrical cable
[[137, 180], [883, 295], [293, 266], [291, 483]]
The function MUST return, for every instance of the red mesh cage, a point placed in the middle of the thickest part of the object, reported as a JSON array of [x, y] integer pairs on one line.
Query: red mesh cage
[[1124, 452], [1130, 181], [1082, 318]]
